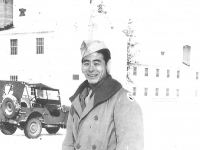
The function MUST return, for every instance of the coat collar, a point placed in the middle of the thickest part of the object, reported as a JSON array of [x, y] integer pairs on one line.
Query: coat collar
[[106, 90]]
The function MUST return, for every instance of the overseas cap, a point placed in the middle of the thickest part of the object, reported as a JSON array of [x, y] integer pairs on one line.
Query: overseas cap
[[89, 47]]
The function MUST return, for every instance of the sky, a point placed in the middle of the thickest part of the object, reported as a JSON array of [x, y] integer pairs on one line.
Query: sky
[[158, 25]]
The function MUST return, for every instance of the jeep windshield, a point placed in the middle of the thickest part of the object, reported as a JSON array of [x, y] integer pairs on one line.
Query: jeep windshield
[[42, 91], [47, 94]]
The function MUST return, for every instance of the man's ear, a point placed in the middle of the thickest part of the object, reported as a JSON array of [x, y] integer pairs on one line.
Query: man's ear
[[108, 66]]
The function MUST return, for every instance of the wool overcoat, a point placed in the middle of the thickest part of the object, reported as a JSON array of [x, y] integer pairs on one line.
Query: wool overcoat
[[112, 120]]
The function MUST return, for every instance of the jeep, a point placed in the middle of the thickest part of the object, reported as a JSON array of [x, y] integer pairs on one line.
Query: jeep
[[31, 107]]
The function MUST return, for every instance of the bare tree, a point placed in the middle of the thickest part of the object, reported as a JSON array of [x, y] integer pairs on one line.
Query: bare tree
[[130, 53]]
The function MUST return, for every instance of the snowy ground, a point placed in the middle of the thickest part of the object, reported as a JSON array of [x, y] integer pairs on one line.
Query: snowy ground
[[168, 125]]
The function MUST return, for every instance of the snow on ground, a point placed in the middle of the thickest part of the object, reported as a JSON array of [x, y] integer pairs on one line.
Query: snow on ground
[[168, 125]]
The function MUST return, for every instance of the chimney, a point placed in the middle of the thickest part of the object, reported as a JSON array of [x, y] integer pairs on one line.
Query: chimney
[[22, 12], [6, 14], [186, 55]]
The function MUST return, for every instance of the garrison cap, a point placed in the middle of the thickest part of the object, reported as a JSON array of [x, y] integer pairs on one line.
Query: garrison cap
[[89, 47]]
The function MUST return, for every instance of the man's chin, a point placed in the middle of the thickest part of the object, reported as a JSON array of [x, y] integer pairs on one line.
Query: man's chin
[[93, 81]]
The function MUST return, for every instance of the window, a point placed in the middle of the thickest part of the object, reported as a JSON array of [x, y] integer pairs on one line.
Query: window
[[39, 45], [145, 91], [135, 71], [177, 92], [13, 46], [146, 71], [134, 91], [157, 91], [167, 92], [168, 73], [13, 78], [157, 72], [178, 73], [32, 91], [197, 75], [196, 93], [75, 77]]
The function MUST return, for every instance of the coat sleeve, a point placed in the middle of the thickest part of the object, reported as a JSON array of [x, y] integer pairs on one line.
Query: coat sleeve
[[128, 120], [68, 143]]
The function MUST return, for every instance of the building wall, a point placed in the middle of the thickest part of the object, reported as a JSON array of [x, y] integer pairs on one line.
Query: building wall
[[187, 84]]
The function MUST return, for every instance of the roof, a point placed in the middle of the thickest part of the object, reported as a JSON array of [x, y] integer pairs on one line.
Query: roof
[[41, 86]]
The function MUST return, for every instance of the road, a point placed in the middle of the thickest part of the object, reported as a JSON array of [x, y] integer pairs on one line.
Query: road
[[168, 125]]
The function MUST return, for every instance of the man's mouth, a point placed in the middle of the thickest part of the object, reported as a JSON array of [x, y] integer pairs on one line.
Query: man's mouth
[[92, 75]]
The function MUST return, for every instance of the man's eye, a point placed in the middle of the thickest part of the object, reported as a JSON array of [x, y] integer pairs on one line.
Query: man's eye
[[96, 64], [86, 64]]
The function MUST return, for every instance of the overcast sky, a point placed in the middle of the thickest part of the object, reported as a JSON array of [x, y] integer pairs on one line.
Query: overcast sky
[[159, 25]]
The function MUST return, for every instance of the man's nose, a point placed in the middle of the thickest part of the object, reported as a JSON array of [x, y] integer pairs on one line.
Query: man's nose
[[91, 67]]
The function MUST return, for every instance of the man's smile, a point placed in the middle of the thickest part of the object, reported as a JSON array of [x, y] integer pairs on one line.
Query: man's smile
[[92, 75]]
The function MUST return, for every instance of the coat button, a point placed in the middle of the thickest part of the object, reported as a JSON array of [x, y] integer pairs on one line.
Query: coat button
[[94, 147], [78, 146], [96, 118]]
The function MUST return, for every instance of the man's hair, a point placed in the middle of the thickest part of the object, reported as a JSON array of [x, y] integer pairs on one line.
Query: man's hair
[[106, 55]]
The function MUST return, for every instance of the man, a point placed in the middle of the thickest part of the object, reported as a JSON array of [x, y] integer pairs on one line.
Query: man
[[103, 115]]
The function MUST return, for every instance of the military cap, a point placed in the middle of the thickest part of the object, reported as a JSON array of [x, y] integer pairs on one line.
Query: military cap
[[89, 47]]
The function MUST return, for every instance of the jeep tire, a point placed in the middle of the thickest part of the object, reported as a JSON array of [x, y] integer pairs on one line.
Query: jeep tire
[[33, 128], [9, 108], [9, 129], [53, 130]]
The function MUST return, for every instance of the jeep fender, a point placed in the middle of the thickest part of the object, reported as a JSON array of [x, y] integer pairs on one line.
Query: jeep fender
[[27, 113], [36, 114]]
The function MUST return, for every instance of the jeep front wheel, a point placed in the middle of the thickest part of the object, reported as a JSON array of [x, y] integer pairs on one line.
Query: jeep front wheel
[[9, 129], [33, 128], [53, 130]]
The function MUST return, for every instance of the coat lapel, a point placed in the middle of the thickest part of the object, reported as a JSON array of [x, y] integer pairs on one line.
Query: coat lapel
[[88, 108], [77, 105]]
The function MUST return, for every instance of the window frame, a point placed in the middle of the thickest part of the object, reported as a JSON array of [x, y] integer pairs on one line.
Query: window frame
[[134, 71], [13, 46], [167, 91], [178, 73], [146, 72], [134, 91], [157, 92], [168, 73], [145, 91], [157, 72], [177, 92], [39, 45]]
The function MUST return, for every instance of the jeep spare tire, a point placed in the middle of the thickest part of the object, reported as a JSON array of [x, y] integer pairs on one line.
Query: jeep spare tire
[[10, 107], [33, 128]]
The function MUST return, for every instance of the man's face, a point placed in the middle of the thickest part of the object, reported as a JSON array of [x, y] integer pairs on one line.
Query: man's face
[[94, 68]]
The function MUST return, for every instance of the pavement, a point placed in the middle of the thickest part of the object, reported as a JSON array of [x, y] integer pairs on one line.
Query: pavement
[[168, 125]]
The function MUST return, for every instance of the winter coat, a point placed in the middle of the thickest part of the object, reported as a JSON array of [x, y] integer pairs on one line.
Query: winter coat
[[112, 120]]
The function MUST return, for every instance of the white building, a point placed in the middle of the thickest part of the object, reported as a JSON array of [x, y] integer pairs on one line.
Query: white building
[[165, 79]]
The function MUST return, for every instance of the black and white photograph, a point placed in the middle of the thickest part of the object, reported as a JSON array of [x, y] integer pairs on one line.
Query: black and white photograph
[[100, 75]]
